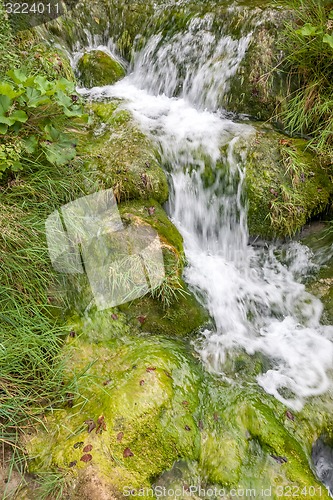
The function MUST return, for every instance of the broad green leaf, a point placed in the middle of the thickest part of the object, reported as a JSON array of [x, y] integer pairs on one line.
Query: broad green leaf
[[43, 84], [17, 75], [3, 128], [8, 90], [330, 15], [30, 144], [5, 104], [34, 98], [19, 116], [65, 85], [328, 39], [308, 30], [52, 134], [74, 111], [63, 99], [7, 120], [58, 154]]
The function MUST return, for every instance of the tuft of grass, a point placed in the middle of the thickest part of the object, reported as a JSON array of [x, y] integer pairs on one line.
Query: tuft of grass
[[309, 108], [31, 313]]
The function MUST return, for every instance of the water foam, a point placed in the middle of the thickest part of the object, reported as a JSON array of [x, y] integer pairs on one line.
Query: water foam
[[254, 295]]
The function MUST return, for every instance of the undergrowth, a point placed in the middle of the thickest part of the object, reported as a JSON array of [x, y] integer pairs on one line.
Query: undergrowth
[[309, 53]]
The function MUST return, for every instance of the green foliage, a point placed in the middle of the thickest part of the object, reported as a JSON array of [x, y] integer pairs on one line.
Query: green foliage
[[33, 111], [309, 52]]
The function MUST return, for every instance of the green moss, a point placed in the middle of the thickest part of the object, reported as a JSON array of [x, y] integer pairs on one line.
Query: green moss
[[286, 184], [120, 156], [96, 68], [139, 385]]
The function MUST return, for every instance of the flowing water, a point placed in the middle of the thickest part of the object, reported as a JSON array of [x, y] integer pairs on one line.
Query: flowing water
[[253, 294]]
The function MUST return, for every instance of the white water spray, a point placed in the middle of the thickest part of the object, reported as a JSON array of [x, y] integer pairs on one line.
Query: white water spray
[[256, 301]]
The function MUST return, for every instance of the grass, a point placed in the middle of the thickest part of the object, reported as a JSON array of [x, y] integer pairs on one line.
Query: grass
[[309, 108], [31, 324]]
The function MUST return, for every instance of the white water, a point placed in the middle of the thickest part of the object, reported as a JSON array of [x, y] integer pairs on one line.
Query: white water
[[257, 303]]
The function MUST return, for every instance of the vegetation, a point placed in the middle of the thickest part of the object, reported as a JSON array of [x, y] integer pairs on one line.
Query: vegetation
[[309, 53]]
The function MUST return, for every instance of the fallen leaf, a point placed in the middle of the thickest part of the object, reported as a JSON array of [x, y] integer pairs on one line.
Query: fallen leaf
[[142, 382], [127, 453], [78, 445], [87, 448], [101, 426], [120, 436], [91, 424], [187, 428], [114, 316], [72, 464], [86, 458], [141, 319], [150, 369], [290, 415]]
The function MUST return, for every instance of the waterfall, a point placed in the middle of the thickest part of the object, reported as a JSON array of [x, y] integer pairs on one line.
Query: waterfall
[[254, 295]]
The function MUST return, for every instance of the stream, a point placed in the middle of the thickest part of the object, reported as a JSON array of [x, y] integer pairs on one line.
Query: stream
[[254, 293]]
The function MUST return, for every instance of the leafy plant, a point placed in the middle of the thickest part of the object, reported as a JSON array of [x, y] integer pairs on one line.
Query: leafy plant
[[33, 111]]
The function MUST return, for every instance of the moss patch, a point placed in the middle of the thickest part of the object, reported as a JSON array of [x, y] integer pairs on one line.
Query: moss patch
[[286, 184], [119, 156], [96, 68]]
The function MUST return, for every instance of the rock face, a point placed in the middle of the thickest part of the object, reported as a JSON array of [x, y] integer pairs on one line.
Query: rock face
[[96, 68]]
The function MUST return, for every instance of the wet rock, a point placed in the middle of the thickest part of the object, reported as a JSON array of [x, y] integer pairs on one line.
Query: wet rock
[[96, 68], [286, 184]]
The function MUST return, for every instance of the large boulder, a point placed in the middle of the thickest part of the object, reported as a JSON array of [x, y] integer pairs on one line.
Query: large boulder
[[96, 68]]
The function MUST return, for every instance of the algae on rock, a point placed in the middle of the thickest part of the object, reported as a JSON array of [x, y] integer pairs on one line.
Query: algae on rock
[[96, 68], [119, 156], [286, 184]]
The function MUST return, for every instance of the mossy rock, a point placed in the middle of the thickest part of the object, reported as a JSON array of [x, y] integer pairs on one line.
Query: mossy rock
[[153, 405], [96, 68], [286, 184], [118, 155], [136, 384], [171, 309]]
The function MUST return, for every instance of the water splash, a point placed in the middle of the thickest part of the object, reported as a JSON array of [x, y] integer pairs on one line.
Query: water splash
[[254, 295]]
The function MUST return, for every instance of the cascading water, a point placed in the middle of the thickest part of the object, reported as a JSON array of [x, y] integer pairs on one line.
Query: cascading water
[[256, 301]]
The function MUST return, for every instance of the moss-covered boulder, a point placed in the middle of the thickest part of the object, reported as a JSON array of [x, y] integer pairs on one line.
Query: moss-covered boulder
[[96, 68], [286, 184], [171, 309], [141, 403], [118, 155]]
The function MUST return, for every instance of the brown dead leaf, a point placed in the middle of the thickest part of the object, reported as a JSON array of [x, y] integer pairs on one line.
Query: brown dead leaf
[[86, 458], [150, 369], [120, 436], [127, 453], [91, 425], [87, 448]]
